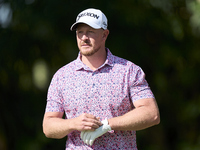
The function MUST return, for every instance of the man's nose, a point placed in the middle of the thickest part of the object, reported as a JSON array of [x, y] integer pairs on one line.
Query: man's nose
[[85, 37]]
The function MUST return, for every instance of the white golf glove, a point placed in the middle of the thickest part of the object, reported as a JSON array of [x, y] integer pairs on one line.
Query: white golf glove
[[88, 137]]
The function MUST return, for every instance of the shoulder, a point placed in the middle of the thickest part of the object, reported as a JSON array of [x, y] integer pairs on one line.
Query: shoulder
[[65, 70], [117, 61], [124, 63]]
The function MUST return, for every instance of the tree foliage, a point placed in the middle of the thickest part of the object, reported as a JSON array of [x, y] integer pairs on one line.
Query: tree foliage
[[160, 36]]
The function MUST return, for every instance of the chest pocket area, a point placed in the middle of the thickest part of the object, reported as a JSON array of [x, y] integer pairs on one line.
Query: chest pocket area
[[114, 97]]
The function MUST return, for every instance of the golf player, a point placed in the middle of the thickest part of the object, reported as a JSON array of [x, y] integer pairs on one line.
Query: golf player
[[105, 99]]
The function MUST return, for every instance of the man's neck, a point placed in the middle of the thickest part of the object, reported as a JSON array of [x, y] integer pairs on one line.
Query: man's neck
[[96, 60]]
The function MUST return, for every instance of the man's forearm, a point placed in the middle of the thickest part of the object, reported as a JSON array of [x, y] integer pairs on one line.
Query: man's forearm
[[139, 118], [56, 127]]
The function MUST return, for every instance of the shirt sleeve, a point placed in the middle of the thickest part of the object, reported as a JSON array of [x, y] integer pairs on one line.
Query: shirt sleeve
[[139, 88], [54, 96]]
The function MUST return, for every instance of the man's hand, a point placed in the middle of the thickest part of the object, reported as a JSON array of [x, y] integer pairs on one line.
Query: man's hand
[[54, 126], [86, 122], [89, 136]]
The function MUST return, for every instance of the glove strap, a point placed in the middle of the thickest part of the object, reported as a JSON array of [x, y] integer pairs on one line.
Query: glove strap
[[106, 126]]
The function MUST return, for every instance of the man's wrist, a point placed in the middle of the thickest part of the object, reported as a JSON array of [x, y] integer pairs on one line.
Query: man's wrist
[[106, 125]]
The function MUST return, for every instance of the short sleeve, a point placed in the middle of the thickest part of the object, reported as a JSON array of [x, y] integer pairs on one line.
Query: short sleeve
[[54, 96], [139, 88]]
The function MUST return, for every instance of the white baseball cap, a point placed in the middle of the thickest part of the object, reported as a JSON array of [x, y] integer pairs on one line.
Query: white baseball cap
[[92, 17]]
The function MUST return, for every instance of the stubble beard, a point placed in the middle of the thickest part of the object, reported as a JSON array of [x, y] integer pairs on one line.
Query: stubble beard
[[90, 52]]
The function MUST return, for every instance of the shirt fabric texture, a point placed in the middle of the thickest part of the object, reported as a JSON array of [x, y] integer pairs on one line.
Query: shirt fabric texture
[[106, 92]]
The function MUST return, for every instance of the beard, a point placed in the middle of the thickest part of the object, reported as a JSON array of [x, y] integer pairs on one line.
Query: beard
[[89, 52]]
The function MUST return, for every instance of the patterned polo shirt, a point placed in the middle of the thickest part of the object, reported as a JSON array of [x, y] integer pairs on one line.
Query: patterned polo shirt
[[107, 92]]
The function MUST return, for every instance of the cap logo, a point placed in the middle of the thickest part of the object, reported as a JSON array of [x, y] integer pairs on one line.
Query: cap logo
[[87, 14], [105, 24]]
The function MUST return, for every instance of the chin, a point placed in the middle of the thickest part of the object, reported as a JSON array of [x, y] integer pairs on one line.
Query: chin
[[88, 52]]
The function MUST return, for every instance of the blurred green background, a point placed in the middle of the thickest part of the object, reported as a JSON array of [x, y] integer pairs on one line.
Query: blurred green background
[[161, 36]]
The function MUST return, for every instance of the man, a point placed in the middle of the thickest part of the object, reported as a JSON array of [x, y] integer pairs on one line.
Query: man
[[105, 98]]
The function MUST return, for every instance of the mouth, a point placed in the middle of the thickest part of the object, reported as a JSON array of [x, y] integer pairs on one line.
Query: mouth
[[85, 45]]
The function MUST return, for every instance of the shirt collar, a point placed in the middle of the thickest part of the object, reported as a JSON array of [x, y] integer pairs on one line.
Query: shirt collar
[[109, 61]]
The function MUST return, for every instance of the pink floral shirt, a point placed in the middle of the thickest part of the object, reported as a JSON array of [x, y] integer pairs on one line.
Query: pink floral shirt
[[106, 92]]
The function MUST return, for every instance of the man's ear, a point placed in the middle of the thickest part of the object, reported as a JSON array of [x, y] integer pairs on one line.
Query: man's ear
[[105, 34]]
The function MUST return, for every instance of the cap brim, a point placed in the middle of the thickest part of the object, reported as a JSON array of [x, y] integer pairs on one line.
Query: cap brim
[[91, 24], [74, 26]]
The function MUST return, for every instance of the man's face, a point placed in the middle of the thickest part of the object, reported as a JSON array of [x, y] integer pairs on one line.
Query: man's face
[[89, 40]]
